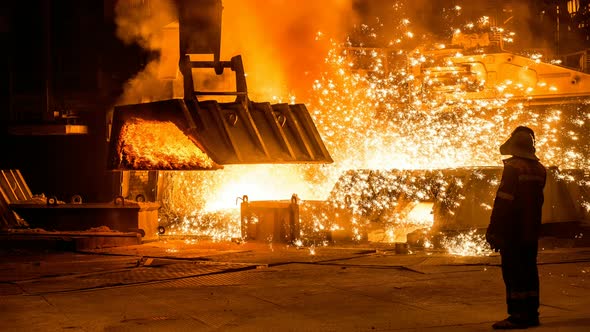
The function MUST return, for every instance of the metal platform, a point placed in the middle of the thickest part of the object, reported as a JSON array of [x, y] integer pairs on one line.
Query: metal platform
[[38, 240], [138, 217]]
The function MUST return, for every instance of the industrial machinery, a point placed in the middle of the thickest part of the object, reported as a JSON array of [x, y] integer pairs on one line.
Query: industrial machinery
[[499, 75], [479, 70], [197, 132], [442, 201], [456, 199], [238, 132], [244, 132], [460, 199]]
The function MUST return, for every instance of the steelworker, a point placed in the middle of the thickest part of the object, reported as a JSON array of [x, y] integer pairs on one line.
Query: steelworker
[[514, 228]]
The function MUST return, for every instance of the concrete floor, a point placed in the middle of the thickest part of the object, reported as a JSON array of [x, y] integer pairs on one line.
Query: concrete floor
[[202, 286]]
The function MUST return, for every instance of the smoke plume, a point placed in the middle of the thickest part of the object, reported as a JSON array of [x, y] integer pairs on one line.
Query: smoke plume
[[144, 23], [278, 40]]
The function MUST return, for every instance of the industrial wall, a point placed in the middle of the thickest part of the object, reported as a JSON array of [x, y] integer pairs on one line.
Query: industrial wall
[[62, 63]]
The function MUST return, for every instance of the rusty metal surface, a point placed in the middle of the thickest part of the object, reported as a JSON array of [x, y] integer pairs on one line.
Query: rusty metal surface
[[252, 133], [145, 273], [270, 221]]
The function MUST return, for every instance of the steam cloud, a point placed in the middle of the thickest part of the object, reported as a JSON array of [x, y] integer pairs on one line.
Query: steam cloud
[[143, 23]]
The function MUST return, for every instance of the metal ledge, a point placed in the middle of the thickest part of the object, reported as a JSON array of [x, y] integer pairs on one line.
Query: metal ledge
[[48, 130]]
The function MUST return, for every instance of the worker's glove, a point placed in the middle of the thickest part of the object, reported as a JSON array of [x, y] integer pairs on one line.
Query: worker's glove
[[493, 240]]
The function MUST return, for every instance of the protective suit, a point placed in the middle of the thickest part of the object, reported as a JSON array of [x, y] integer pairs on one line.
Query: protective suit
[[514, 228]]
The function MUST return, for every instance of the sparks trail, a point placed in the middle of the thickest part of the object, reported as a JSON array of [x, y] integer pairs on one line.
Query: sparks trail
[[415, 104]]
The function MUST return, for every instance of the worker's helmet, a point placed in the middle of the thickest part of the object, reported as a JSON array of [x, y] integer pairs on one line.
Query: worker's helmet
[[520, 144]]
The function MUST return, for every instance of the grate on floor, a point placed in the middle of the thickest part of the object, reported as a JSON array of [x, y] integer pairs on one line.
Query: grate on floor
[[138, 275]]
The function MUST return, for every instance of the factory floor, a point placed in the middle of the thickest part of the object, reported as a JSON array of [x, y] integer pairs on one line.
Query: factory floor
[[193, 285]]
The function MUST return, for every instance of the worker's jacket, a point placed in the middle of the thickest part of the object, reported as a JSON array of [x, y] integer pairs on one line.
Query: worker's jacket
[[516, 216]]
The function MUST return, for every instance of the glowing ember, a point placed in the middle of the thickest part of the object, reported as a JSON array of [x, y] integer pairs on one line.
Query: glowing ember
[[216, 225], [467, 244], [312, 250], [159, 145]]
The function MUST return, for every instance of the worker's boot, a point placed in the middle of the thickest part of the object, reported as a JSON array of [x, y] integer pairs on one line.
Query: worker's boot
[[515, 323]]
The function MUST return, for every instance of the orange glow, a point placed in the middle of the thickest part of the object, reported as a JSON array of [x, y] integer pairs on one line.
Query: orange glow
[[259, 182], [380, 121], [159, 145], [386, 116], [282, 55]]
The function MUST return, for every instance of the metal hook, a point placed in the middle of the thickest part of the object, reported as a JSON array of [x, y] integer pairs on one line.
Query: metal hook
[[281, 118], [232, 118], [243, 198]]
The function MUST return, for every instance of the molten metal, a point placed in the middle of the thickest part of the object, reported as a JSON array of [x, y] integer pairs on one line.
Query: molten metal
[[150, 144]]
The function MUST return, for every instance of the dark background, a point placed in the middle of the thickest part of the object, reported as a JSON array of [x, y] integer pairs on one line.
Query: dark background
[[62, 56]]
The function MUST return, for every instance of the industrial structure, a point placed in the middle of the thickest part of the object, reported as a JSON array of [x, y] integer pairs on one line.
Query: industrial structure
[[65, 128], [169, 134]]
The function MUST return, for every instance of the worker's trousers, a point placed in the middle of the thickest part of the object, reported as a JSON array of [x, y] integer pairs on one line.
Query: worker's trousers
[[521, 277]]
